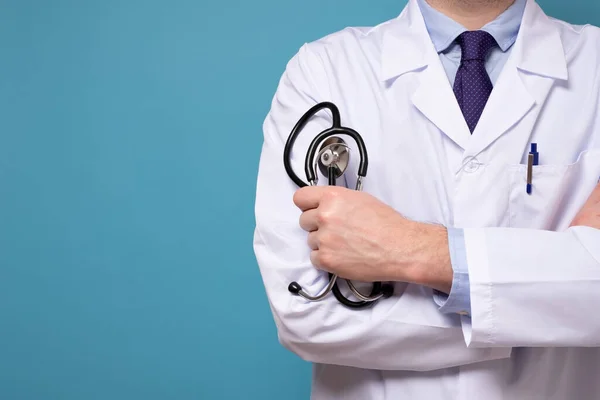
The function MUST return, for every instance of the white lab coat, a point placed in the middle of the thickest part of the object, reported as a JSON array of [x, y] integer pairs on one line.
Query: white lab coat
[[534, 331]]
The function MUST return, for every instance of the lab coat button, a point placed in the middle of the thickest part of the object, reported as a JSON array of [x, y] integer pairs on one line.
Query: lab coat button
[[471, 165]]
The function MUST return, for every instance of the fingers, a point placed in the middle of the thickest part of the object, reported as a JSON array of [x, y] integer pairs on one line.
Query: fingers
[[310, 197], [589, 214], [594, 198], [313, 240], [314, 258], [307, 198], [309, 221], [321, 260]]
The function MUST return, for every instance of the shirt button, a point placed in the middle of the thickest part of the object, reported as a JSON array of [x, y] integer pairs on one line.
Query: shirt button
[[471, 165]]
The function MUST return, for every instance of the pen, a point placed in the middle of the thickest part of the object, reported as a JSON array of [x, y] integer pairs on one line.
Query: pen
[[529, 172], [532, 159]]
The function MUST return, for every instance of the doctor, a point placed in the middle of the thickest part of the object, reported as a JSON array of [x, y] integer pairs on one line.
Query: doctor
[[497, 290]]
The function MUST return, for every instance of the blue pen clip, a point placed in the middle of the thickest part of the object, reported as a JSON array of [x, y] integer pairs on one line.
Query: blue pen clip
[[536, 155], [532, 159]]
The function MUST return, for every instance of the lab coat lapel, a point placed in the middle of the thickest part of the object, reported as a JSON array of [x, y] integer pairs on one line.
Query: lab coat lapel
[[436, 100], [509, 102], [536, 62], [408, 48]]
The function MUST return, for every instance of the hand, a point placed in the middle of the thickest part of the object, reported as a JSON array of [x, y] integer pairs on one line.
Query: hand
[[589, 215], [356, 236]]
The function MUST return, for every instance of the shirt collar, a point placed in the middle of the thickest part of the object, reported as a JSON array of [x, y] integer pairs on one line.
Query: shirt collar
[[443, 30]]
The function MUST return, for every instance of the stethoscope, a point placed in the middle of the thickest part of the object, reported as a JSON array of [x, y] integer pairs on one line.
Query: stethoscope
[[333, 159]]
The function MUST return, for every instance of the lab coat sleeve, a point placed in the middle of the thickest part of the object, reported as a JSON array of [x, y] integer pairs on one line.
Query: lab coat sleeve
[[404, 332], [533, 288]]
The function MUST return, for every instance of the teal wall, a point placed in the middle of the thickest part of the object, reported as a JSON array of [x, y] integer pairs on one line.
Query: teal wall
[[130, 132]]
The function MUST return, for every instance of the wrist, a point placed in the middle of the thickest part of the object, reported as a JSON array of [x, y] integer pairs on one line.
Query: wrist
[[428, 263]]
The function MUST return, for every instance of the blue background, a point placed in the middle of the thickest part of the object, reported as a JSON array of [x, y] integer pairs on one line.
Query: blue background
[[130, 133]]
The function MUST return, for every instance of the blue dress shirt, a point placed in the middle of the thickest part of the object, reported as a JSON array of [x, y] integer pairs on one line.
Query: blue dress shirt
[[443, 32]]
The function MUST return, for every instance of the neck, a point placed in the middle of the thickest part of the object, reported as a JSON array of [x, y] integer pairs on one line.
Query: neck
[[472, 14]]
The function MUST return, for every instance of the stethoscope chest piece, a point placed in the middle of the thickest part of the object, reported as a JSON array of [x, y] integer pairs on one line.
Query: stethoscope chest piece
[[334, 153]]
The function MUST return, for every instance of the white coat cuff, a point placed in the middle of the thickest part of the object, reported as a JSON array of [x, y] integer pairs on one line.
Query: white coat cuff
[[478, 328]]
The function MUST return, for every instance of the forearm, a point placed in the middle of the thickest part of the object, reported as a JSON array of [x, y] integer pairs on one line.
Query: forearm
[[526, 287], [428, 261], [404, 332]]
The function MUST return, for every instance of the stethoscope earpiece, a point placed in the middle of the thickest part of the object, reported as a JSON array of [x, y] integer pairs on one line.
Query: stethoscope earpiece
[[294, 288]]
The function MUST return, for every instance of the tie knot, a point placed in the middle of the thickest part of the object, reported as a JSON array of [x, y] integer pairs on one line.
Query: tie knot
[[475, 44]]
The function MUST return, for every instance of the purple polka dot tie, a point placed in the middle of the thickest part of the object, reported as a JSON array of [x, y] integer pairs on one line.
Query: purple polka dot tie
[[472, 85]]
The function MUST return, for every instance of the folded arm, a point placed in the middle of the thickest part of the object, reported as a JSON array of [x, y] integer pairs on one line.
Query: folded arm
[[532, 288], [404, 332]]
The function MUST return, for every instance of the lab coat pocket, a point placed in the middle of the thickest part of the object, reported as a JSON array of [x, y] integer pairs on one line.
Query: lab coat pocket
[[558, 192]]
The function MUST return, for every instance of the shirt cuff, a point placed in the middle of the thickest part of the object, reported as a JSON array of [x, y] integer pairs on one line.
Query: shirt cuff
[[459, 299]]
